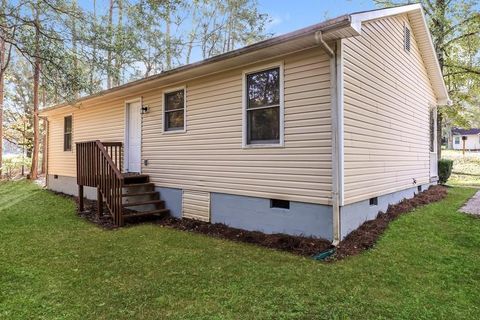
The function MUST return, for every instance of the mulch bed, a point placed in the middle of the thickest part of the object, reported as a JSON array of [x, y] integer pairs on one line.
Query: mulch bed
[[357, 241], [368, 233]]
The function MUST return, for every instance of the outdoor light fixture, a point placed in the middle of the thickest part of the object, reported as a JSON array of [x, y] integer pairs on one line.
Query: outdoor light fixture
[[145, 109]]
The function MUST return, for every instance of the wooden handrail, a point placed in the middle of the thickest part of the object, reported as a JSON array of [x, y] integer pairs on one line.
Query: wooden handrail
[[96, 168]]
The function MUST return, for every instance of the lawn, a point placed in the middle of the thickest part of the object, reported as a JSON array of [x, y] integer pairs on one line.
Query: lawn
[[466, 168], [54, 265]]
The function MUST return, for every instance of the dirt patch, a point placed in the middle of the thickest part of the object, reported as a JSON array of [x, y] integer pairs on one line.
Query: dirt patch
[[359, 240], [368, 233]]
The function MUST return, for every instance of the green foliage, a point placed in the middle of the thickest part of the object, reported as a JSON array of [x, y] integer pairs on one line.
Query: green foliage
[[12, 165], [444, 170], [466, 168], [56, 265]]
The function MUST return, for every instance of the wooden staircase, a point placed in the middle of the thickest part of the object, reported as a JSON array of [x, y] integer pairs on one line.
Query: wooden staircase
[[126, 195], [139, 198]]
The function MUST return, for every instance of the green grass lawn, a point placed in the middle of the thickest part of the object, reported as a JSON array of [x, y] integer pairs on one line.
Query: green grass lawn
[[466, 168], [54, 265]]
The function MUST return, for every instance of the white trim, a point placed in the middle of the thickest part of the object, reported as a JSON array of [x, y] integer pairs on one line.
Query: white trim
[[173, 89], [71, 133], [125, 133], [281, 143], [357, 19]]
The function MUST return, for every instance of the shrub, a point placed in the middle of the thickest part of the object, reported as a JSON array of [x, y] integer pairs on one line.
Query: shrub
[[444, 170]]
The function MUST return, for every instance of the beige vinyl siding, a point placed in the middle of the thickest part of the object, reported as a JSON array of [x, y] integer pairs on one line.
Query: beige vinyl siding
[[209, 155], [387, 95], [103, 122], [196, 205]]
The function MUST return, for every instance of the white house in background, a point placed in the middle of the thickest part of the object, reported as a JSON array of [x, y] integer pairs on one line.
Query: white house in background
[[309, 133], [471, 137]]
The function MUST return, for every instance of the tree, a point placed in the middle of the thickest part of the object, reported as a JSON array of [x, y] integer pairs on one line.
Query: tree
[[36, 82], [454, 25]]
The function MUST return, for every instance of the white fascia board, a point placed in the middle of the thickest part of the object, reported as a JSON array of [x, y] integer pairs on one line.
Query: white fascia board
[[357, 19]]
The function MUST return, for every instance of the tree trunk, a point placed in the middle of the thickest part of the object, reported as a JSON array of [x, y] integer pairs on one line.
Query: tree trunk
[[118, 45], [2, 76], [94, 49], [109, 53], [74, 46], [168, 42], [36, 79], [439, 48]]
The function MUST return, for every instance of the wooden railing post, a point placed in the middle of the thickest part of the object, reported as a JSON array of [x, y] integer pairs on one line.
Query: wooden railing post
[[99, 203], [81, 206]]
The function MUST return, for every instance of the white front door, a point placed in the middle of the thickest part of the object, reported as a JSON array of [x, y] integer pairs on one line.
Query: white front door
[[133, 137]]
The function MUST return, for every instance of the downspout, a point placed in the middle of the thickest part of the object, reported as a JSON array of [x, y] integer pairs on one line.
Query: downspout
[[47, 143], [336, 85], [339, 161]]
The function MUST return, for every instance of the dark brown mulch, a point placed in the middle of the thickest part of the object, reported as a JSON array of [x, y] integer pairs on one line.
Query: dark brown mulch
[[299, 245], [359, 240], [368, 233], [304, 246]]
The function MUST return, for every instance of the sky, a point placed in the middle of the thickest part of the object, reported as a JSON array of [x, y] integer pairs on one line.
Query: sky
[[290, 15]]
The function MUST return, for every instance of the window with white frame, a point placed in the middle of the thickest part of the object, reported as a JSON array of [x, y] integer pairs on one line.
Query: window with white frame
[[67, 133], [174, 110], [263, 107], [457, 140]]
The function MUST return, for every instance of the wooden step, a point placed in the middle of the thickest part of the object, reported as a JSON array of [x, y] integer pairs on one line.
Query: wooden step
[[135, 178], [139, 194], [143, 184], [145, 213], [141, 203]]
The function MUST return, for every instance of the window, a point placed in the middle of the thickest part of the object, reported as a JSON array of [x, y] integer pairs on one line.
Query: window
[[264, 107], [373, 201], [432, 129], [174, 110], [457, 140], [406, 38], [67, 133]]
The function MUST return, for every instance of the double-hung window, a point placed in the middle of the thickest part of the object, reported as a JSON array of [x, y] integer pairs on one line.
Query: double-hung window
[[174, 110], [264, 107], [67, 133]]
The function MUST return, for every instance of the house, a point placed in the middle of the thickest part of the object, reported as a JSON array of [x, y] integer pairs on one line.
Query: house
[[466, 138], [308, 133]]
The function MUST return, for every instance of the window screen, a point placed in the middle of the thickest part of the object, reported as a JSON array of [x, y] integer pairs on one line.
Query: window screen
[[174, 112], [263, 107], [67, 133]]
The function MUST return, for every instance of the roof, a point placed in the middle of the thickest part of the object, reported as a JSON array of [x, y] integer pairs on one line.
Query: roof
[[330, 30], [464, 132]]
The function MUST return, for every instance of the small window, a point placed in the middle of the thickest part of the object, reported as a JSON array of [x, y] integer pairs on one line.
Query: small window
[[174, 110], [373, 201], [282, 204], [406, 38], [419, 188], [457, 140], [67, 133], [263, 110]]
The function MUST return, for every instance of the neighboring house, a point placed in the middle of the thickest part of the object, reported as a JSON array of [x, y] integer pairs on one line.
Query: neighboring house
[[309, 133], [470, 136]]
